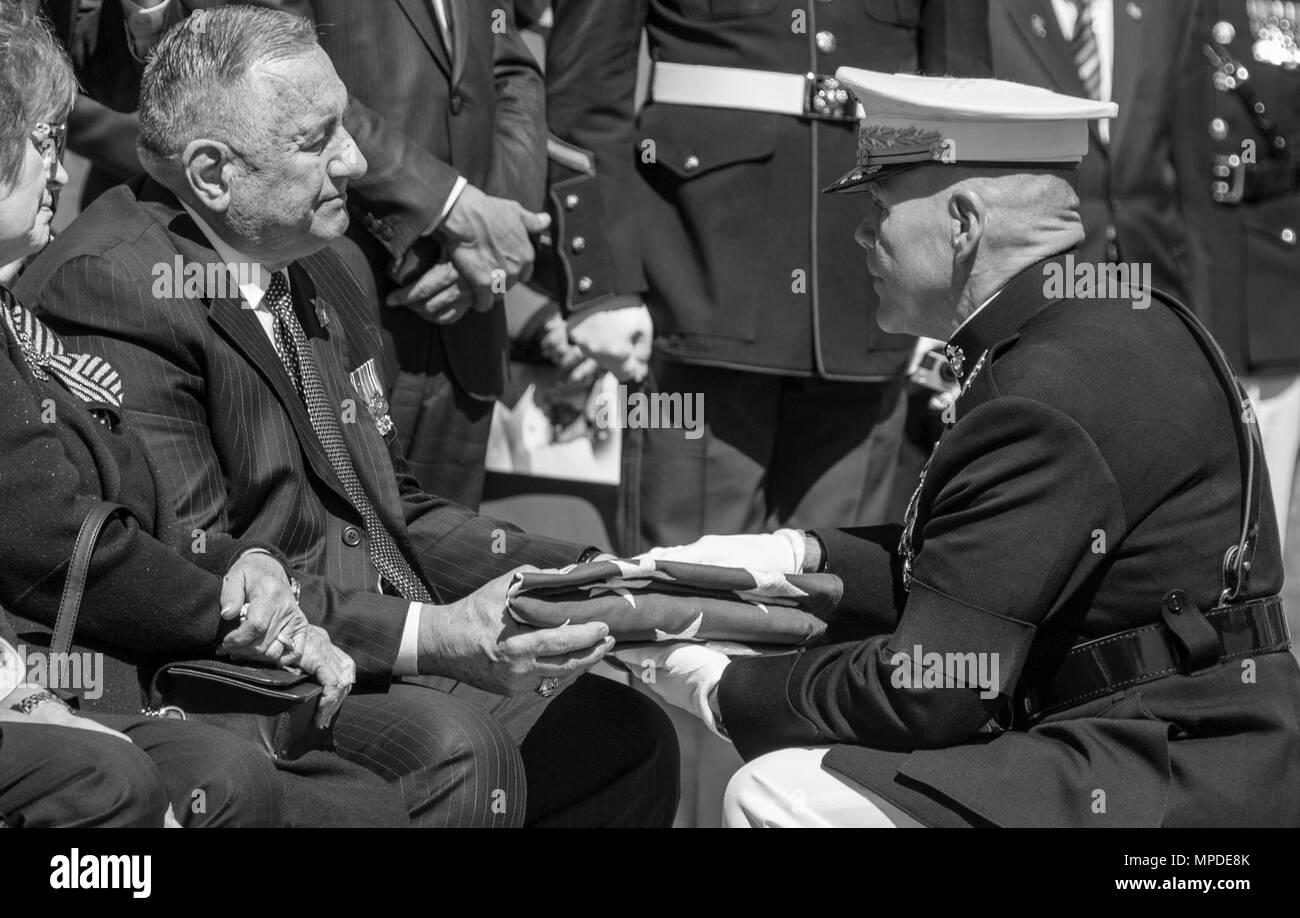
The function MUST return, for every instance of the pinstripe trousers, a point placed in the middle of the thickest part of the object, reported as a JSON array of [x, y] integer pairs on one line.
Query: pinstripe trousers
[[597, 754]]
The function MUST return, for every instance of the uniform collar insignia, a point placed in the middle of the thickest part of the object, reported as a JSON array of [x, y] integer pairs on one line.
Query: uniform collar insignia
[[1003, 315]]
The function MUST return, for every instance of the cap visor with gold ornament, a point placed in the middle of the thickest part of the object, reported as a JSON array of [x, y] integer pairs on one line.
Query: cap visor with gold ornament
[[910, 121]]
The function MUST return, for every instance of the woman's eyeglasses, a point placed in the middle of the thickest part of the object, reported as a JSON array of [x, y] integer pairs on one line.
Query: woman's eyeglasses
[[50, 140]]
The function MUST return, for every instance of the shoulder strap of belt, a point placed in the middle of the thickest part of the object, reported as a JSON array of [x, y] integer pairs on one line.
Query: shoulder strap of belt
[[1236, 560]]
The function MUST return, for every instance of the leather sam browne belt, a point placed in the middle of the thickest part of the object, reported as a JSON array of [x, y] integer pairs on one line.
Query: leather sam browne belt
[[1118, 661], [807, 95], [1185, 640]]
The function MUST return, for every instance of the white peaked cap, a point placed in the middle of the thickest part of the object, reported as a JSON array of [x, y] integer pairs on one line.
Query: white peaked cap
[[909, 121]]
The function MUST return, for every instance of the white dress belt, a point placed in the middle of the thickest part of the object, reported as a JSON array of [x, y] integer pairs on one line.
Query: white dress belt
[[734, 88]]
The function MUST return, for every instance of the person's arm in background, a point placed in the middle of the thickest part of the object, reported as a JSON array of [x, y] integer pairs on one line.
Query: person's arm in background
[[591, 76], [447, 273]]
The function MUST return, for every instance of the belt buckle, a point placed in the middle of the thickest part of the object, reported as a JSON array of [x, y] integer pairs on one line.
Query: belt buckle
[[1229, 185], [827, 99]]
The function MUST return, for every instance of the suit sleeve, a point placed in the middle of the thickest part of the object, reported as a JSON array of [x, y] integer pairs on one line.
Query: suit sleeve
[[519, 153], [109, 308], [1020, 494], [460, 550], [591, 67], [141, 595], [1188, 111]]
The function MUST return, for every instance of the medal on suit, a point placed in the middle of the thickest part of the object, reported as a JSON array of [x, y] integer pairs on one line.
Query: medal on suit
[[365, 379]]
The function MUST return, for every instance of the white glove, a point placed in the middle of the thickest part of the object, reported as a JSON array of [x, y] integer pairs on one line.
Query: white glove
[[680, 672], [618, 340], [781, 552]]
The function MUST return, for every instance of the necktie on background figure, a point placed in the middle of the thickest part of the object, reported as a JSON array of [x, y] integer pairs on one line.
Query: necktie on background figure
[[1083, 46], [295, 352]]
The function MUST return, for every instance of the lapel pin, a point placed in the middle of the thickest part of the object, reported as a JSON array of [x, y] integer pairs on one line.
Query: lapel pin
[[1040, 29], [321, 315], [1134, 11]]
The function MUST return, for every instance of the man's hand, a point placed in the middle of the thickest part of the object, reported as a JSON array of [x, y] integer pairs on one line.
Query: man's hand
[[618, 339], [331, 667], [682, 673], [783, 552], [475, 640], [441, 295], [273, 628], [488, 240]]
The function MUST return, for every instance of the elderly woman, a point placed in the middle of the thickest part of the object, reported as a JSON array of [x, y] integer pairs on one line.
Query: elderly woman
[[67, 449]]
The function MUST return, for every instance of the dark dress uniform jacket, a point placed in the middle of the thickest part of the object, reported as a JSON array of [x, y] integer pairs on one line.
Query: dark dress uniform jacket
[[1255, 271], [1092, 467], [743, 263], [231, 435], [1136, 192]]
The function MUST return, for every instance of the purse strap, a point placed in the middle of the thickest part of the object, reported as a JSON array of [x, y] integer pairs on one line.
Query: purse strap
[[74, 587]]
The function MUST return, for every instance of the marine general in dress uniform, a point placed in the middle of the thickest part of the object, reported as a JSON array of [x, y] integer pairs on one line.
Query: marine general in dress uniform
[[1078, 622]]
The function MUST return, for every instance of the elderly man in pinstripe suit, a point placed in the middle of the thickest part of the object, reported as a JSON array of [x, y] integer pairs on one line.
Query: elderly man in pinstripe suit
[[257, 390]]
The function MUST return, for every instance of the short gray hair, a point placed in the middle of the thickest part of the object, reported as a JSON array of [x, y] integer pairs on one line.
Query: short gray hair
[[197, 82]]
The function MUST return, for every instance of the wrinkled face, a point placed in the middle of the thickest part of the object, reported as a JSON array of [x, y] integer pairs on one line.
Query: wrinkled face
[[290, 196], [27, 207], [907, 237]]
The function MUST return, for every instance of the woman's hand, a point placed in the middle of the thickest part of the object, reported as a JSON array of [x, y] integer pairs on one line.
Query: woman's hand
[[272, 628], [331, 667], [52, 712]]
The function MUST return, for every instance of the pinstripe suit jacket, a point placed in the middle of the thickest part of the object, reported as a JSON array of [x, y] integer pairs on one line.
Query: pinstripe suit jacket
[[231, 435]]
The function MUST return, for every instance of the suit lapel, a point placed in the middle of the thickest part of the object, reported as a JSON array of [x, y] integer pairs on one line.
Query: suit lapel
[[239, 325], [1037, 23], [458, 12], [421, 15], [1125, 67], [1038, 26]]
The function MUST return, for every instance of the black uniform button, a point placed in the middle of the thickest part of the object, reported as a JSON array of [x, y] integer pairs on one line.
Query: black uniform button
[[457, 103], [826, 42], [584, 284], [578, 243], [1288, 236], [351, 537], [571, 201], [1224, 33], [692, 163], [1219, 129]]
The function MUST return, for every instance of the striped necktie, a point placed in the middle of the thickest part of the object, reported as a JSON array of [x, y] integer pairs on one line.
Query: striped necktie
[[91, 379], [1083, 46], [295, 353]]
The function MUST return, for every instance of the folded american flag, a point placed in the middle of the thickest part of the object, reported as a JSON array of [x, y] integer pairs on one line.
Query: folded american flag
[[657, 600]]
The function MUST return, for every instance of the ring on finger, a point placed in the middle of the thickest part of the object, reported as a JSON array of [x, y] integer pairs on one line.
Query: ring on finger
[[550, 685]]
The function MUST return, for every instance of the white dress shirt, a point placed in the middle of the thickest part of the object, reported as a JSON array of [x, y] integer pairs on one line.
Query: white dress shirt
[[1103, 27], [254, 277]]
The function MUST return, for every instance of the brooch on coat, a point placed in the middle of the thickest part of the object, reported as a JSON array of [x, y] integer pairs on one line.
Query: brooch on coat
[[365, 379]]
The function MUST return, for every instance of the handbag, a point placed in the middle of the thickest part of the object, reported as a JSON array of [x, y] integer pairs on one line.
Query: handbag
[[271, 708]]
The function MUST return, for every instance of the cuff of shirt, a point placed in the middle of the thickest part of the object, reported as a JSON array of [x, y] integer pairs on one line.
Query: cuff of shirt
[[153, 18], [408, 652], [456, 191]]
